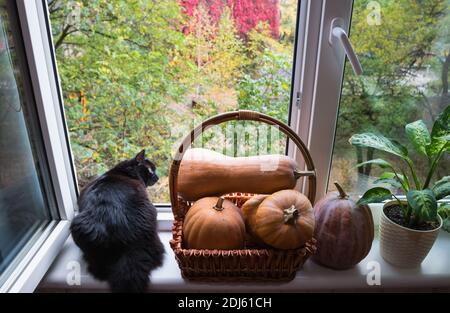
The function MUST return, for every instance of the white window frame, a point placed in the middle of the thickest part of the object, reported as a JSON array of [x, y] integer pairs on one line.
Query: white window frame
[[318, 81], [34, 262]]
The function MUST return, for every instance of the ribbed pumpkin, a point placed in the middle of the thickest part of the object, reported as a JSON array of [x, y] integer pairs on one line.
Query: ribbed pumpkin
[[284, 220], [344, 231], [249, 208], [214, 223]]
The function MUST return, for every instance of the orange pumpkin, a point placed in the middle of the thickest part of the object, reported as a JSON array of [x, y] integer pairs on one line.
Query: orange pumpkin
[[284, 220], [248, 209], [214, 223]]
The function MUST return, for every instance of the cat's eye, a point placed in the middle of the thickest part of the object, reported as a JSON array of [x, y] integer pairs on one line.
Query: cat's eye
[[150, 165]]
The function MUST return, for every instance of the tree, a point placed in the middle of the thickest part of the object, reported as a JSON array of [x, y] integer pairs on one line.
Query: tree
[[246, 14], [266, 85], [227, 55], [118, 66], [393, 56]]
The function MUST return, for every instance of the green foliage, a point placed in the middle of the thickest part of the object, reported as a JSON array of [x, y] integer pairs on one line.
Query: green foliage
[[379, 142], [404, 80], [117, 63], [392, 179], [379, 162], [228, 53], [140, 74], [397, 48], [422, 201], [418, 135], [440, 134], [442, 188], [216, 50], [423, 204], [268, 90], [444, 212], [376, 194]]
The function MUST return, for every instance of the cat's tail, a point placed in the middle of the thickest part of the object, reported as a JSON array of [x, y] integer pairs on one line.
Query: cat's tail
[[130, 273]]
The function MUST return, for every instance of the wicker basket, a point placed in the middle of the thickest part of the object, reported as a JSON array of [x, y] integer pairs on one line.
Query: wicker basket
[[252, 263]]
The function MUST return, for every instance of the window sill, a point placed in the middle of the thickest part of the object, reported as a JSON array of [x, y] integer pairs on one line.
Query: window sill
[[433, 275]]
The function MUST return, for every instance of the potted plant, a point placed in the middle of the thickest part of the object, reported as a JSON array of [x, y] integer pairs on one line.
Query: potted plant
[[409, 227]]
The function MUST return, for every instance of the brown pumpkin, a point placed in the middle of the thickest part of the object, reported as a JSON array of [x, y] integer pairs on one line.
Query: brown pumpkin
[[284, 220], [344, 231], [214, 223], [248, 209], [206, 173]]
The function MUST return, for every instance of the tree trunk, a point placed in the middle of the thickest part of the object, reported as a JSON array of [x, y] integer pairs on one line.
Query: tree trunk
[[368, 167], [444, 77], [363, 171]]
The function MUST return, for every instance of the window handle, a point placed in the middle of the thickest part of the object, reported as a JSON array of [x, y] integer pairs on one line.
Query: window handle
[[339, 33]]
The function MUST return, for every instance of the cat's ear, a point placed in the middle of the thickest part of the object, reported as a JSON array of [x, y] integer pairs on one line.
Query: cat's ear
[[140, 157]]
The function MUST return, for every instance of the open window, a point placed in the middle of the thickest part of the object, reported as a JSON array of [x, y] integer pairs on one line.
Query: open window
[[143, 75], [37, 193], [131, 75], [404, 49]]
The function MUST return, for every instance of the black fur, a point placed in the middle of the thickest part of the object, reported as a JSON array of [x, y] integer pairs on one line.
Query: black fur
[[116, 226]]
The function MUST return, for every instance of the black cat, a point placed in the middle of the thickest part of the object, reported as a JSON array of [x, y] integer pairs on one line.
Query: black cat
[[116, 226]]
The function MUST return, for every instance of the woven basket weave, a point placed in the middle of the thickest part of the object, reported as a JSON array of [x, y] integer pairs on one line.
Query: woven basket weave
[[252, 263]]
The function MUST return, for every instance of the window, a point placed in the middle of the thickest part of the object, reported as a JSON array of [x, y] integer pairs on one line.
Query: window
[[35, 190], [403, 47], [25, 206], [142, 74], [131, 79]]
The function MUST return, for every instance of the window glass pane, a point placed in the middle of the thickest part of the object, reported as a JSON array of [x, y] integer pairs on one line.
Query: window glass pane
[[403, 47], [23, 208], [141, 74]]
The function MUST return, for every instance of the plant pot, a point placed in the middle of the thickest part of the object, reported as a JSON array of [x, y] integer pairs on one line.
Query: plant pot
[[402, 246]]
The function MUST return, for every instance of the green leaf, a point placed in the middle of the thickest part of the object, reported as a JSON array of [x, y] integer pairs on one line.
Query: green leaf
[[423, 204], [440, 133], [376, 194], [380, 162], [441, 188], [387, 175], [379, 142], [446, 224], [405, 178], [391, 175], [444, 212], [418, 135], [394, 183]]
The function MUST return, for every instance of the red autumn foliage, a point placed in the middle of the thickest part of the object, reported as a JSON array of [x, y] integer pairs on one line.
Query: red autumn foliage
[[246, 13]]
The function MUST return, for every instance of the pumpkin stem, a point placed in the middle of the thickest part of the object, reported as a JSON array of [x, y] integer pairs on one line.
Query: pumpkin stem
[[341, 191], [290, 215], [219, 204], [298, 174]]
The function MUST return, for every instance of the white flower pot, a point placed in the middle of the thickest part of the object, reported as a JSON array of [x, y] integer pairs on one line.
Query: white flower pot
[[402, 246]]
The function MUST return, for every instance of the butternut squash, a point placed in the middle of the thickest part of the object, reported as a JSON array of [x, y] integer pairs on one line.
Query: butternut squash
[[206, 173]]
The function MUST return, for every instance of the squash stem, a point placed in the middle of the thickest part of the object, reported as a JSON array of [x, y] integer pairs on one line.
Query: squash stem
[[290, 215], [219, 204], [341, 191]]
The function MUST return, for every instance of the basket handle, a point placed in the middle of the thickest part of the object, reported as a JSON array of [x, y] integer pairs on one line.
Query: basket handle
[[242, 115]]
